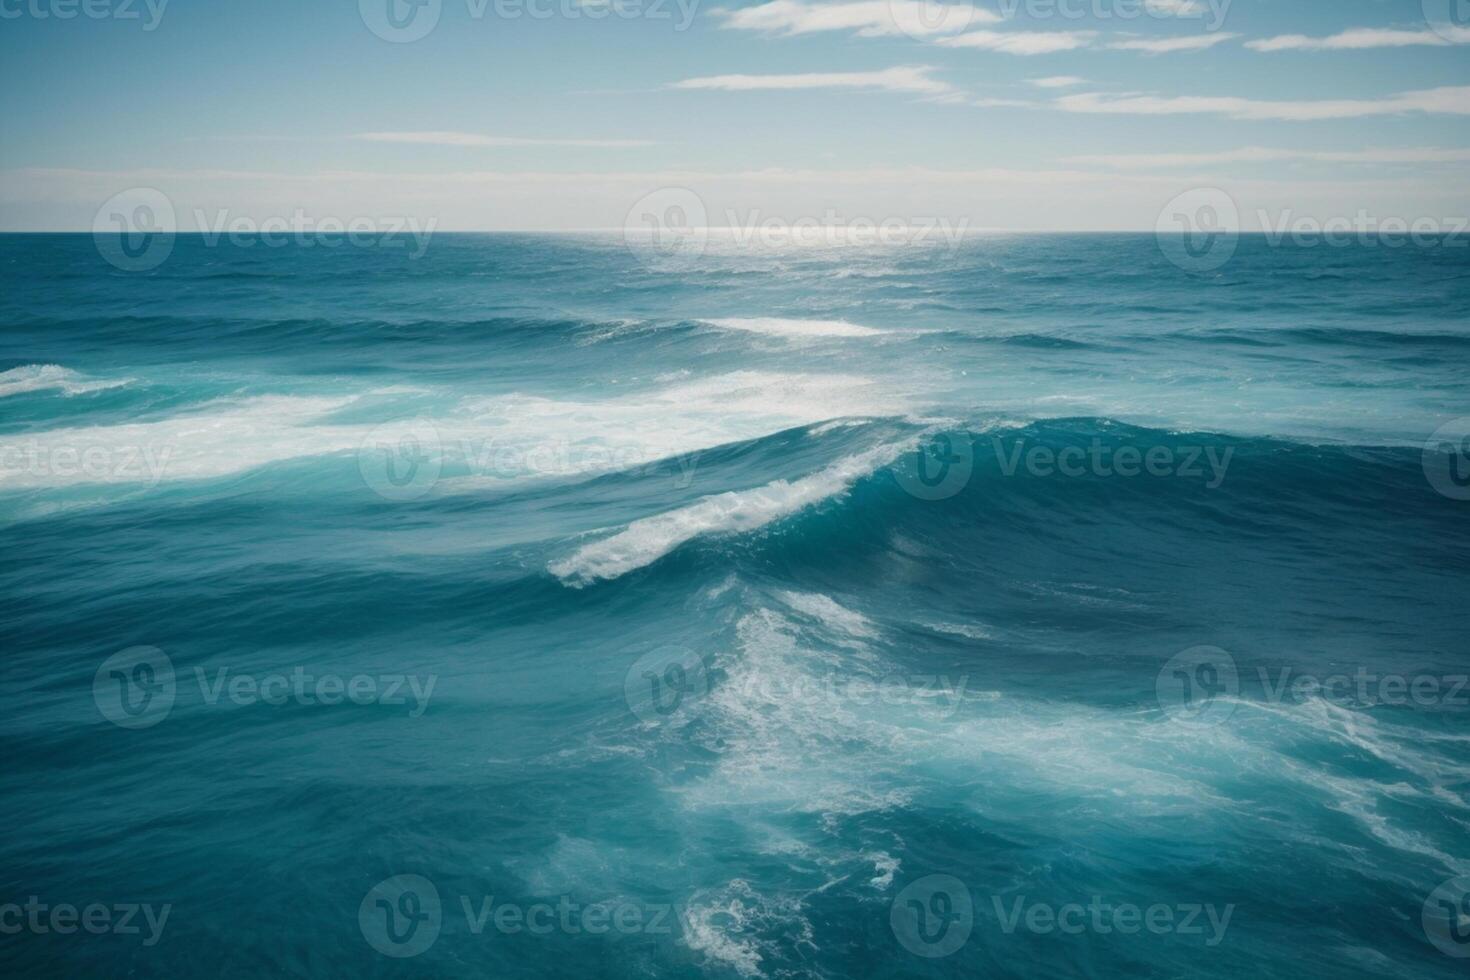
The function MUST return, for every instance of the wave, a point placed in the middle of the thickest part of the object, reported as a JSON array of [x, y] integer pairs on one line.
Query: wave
[[475, 438], [52, 377], [795, 329], [645, 541]]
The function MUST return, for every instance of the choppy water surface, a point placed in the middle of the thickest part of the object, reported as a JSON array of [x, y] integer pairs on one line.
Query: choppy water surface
[[536, 607]]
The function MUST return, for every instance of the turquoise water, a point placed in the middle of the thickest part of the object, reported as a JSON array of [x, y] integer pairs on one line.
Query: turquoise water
[[545, 607]]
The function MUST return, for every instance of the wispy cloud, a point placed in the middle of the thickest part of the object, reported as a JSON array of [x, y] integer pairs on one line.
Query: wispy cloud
[[866, 18], [1176, 8], [1453, 100], [990, 103], [1365, 37], [1021, 42], [444, 138], [913, 78], [1166, 45], [1262, 154], [1057, 81]]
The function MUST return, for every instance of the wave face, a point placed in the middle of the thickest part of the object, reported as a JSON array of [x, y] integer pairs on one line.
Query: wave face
[[743, 598]]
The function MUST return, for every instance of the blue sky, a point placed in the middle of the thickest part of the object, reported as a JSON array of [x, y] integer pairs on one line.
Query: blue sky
[[1025, 114]]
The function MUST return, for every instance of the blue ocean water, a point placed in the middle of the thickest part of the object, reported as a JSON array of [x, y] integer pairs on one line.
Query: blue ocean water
[[545, 606]]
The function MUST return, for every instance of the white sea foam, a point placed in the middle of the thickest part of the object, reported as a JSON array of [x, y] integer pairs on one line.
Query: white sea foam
[[739, 927], [49, 377], [647, 540], [968, 630], [216, 439], [798, 329], [830, 613], [499, 438]]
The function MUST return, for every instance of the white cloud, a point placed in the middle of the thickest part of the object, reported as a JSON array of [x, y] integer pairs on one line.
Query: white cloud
[[905, 79], [1364, 37], [1453, 100], [1165, 45], [1176, 8], [988, 103], [1057, 81], [1262, 154], [868, 18], [442, 138], [1021, 42]]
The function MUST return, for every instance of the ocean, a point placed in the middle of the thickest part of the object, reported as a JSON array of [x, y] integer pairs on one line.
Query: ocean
[[551, 606]]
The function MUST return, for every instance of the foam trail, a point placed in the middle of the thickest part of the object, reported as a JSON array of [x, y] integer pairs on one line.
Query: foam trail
[[647, 540], [781, 327], [499, 438], [48, 377]]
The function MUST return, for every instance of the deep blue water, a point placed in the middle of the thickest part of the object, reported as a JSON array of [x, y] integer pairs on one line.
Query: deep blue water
[[686, 618]]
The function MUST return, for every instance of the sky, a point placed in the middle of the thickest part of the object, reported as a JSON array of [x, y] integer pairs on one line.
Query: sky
[[565, 114]]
